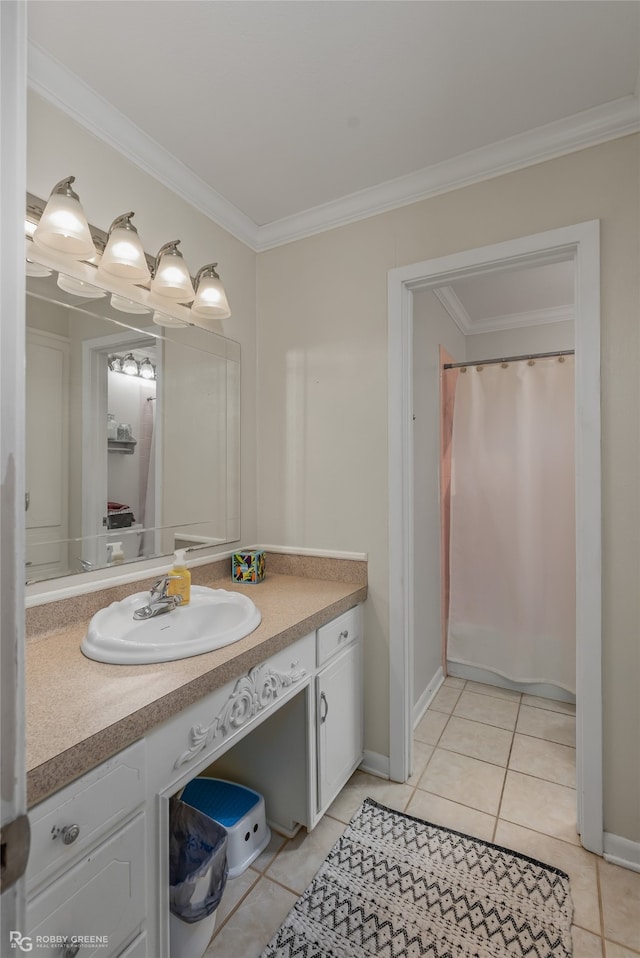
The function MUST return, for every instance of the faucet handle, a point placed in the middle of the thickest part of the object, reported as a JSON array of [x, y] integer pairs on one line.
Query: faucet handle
[[159, 588]]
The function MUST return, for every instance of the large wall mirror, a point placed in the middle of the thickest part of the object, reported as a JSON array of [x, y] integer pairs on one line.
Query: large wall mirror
[[132, 431]]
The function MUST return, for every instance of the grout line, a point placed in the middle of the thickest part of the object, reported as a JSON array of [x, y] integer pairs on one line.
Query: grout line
[[506, 771]]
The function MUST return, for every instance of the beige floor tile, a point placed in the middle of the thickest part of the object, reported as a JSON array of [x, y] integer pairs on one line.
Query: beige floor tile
[[440, 811], [542, 806], [445, 699], [548, 760], [421, 755], [251, 927], [361, 786], [620, 889], [577, 862], [612, 950], [299, 860], [585, 944], [551, 705], [486, 742], [486, 708], [429, 728], [552, 726], [267, 855], [235, 890], [463, 779], [494, 690], [454, 682]]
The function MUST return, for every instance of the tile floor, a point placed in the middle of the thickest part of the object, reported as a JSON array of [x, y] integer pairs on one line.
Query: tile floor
[[488, 762]]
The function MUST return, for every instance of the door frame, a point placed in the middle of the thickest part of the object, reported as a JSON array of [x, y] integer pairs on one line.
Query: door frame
[[581, 244], [94, 436]]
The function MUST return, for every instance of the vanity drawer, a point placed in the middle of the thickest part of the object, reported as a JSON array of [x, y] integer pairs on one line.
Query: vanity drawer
[[87, 809], [100, 901], [337, 634]]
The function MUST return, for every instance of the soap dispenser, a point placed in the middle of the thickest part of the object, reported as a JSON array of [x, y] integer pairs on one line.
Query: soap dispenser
[[115, 555], [180, 577]]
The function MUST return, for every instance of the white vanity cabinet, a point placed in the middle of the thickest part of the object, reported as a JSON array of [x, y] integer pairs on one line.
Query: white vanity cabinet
[[291, 728], [86, 877], [339, 704]]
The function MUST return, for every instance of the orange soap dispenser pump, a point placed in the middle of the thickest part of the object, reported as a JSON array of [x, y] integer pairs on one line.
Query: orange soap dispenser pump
[[180, 581]]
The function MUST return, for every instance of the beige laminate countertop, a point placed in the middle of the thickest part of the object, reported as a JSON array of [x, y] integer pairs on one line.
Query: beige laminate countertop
[[81, 712]]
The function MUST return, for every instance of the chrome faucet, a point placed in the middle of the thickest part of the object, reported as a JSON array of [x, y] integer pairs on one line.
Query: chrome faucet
[[159, 599]]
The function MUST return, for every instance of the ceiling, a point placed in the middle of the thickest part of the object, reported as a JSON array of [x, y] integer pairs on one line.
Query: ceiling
[[280, 119], [509, 298]]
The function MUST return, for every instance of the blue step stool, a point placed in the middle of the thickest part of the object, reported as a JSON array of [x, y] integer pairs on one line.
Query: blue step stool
[[240, 810]]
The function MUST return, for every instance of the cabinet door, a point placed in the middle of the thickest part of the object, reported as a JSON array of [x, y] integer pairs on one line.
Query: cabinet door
[[100, 901], [339, 723]]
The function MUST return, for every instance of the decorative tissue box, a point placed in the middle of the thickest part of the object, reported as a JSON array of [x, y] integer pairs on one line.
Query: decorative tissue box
[[248, 566]]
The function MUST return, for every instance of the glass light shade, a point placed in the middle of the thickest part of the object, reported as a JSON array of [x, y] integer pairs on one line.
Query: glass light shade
[[172, 279], [129, 365], [35, 269], [211, 300], [161, 319], [78, 287], [124, 305], [146, 370], [115, 364], [63, 225], [124, 256]]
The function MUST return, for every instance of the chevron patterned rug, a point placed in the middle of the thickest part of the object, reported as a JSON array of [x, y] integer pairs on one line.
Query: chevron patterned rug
[[395, 886]]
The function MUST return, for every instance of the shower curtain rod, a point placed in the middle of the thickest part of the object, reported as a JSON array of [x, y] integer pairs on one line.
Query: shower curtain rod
[[509, 359]]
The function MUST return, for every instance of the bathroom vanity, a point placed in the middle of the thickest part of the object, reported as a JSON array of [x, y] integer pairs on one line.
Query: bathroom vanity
[[280, 711]]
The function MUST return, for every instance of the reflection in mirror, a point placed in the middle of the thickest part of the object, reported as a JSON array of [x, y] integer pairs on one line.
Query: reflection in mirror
[[132, 431]]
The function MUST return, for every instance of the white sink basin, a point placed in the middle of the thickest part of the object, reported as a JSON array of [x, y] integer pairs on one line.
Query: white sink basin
[[212, 619]]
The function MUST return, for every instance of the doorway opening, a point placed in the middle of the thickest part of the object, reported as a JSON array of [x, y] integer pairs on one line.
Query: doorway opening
[[578, 244]]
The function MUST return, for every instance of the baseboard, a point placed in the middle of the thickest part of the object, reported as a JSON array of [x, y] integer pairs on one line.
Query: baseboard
[[622, 851], [375, 764], [427, 696]]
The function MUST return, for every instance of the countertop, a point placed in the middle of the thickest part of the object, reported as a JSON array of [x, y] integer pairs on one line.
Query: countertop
[[81, 712]]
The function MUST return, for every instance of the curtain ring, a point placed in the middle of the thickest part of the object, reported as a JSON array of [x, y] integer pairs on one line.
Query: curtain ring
[[531, 362], [504, 365], [560, 359]]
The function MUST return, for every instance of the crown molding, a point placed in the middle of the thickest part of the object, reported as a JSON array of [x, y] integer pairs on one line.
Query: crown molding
[[618, 118], [54, 82], [494, 324]]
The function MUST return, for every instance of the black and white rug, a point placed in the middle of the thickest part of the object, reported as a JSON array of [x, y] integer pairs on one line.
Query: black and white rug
[[395, 886]]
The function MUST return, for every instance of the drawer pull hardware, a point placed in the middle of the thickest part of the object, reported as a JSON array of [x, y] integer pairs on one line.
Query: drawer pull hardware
[[323, 700], [70, 948], [344, 634], [69, 833]]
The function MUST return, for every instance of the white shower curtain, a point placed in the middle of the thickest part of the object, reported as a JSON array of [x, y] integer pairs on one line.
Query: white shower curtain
[[512, 549]]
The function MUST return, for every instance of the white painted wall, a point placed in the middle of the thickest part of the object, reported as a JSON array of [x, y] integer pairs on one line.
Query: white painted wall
[[432, 328], [322, 443], [517, 342]]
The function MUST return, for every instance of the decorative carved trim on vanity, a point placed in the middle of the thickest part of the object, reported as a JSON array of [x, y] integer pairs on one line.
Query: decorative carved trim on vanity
[[251, 694]]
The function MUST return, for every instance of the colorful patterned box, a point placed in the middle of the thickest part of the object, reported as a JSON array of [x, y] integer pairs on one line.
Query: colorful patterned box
[[248, 566]]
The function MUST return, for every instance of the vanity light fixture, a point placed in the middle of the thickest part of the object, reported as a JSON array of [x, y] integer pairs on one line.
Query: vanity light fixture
[[124, 305], [211, 299], [161, 319], [35, 269], [63, 225], [123, 255], [171, 277], [130, 365], [78, 287], [146, 370]]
